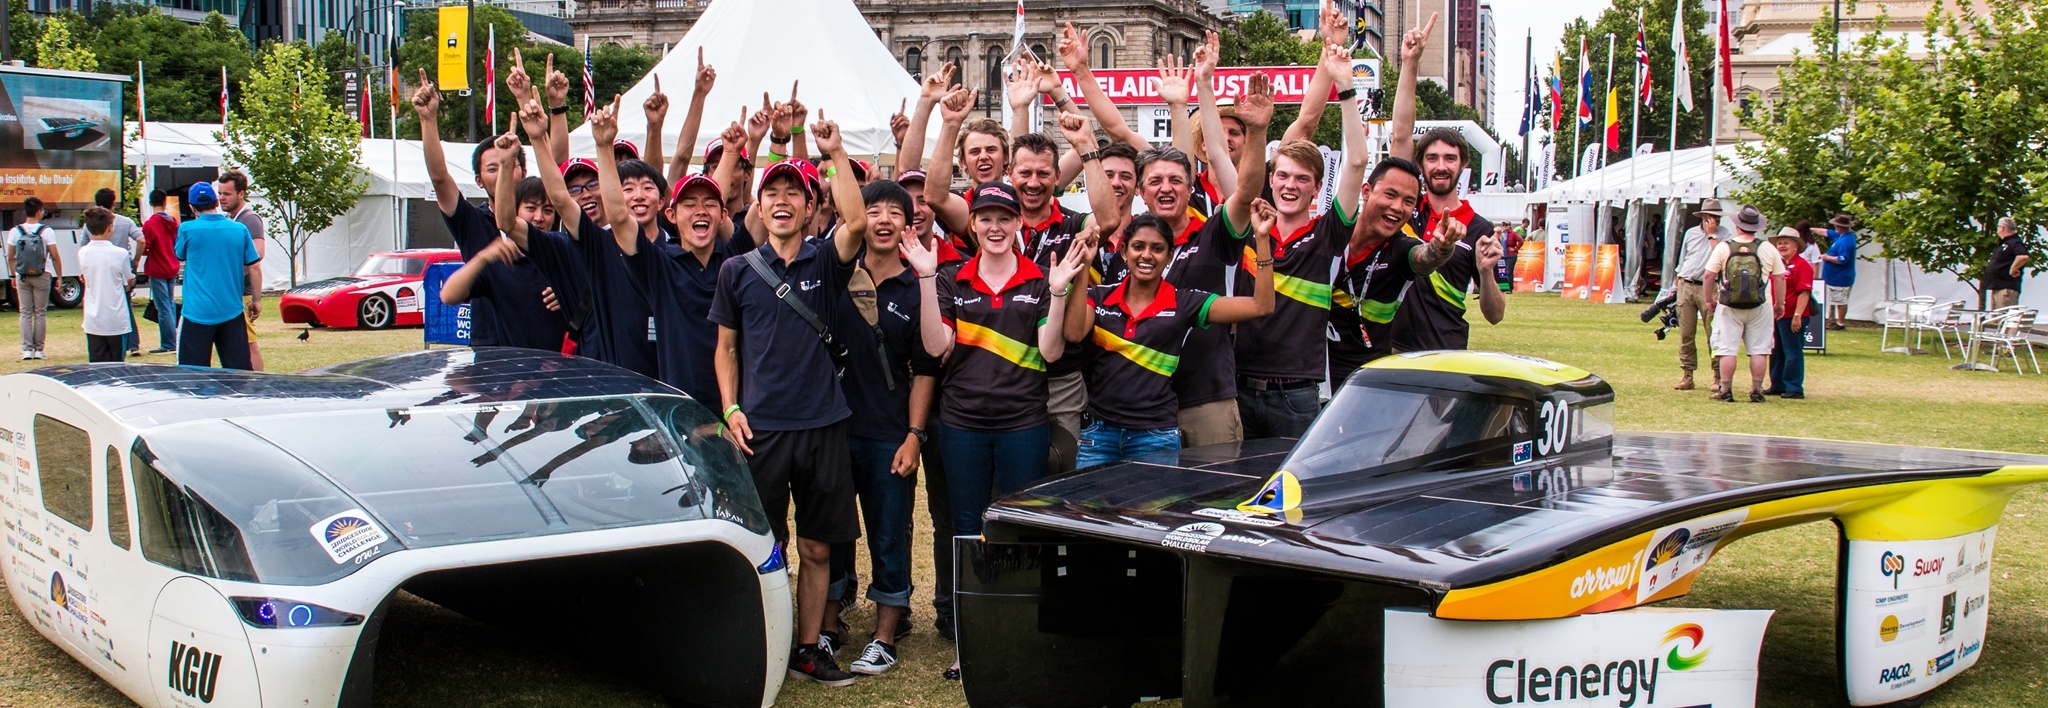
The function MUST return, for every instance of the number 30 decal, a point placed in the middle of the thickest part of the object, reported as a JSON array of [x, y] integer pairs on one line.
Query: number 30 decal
[[1557, 427]]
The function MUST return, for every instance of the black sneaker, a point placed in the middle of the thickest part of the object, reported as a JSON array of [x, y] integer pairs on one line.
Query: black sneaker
[[877, 658], [830, 641], [1793, 395], [903, 626], [848, 606], [945, 627], [1724, 397], [815, 664], [1774, 391], [1756, 396]]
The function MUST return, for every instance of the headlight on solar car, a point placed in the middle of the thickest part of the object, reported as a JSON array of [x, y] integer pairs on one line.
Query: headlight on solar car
[[279, 613]]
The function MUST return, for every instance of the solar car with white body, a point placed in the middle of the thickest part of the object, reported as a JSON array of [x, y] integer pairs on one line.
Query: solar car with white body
[[215, 537]]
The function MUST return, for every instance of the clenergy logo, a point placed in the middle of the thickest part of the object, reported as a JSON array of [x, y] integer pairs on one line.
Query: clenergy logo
[[1892, 565], [1690, 633]]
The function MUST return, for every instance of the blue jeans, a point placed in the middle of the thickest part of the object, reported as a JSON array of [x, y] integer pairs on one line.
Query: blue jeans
[[981, 465], [1277, 414], [885, 501], [1788, 357], [160, 292], [1102, 443]]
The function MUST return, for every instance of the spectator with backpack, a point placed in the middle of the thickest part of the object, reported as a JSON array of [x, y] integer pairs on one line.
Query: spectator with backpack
[[32, 258], [1744, 279]]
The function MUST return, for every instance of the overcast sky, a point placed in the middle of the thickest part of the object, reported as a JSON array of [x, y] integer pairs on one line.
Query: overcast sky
[[1515, 19]]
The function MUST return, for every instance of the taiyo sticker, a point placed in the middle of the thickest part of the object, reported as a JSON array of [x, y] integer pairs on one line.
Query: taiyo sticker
[[348, 534]]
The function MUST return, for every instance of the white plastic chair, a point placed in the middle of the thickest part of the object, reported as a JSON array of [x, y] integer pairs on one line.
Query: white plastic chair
[[2012, 335], [1932, 318], [1899, 314], [1954, 323]]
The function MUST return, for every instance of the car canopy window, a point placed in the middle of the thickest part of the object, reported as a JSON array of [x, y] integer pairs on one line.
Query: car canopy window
[[1374, 426], [440, 475]]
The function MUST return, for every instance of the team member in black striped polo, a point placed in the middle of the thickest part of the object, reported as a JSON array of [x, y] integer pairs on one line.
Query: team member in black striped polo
[[1138, 329], [1432, 315], [997, 320], [1381, 262]]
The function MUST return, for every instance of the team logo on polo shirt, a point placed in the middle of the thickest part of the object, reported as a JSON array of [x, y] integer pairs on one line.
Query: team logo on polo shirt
[[1021, 297]]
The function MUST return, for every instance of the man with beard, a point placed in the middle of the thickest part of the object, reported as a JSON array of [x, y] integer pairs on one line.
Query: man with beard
[[1432, 314], [1204, 251], [1281, 358], [778, 392], [506, 302]]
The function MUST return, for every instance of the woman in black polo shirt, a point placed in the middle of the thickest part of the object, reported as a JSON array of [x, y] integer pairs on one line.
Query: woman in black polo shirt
[[997, 320], [1140, 327]]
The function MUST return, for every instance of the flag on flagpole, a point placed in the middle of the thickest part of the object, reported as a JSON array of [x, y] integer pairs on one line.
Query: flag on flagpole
[[1643, 78], [1556, 94], [589, 82], [1613, 119], [391, 79], [1681, 76], [491, 79], [368, 117], [1359, 27], [223, 95], [1585, 87], [1727, 61], [1532, 107], [1017, 35], [141, 102]]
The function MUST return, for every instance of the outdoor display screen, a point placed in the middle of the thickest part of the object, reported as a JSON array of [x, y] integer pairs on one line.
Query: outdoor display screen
[[60, 137]]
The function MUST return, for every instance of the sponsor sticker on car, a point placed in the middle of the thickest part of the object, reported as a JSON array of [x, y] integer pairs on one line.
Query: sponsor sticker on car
[[348, 534]]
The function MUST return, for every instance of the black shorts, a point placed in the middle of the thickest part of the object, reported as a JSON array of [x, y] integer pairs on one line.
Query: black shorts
[[816, 467], [105, 347]]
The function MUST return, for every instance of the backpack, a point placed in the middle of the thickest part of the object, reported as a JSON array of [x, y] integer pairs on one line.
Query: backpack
[[1743, 283], [31, 253]]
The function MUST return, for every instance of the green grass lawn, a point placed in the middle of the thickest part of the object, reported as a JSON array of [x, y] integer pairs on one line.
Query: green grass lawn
[[433, 657]]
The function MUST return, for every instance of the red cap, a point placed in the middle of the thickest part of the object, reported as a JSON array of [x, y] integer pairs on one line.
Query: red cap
[[716, 149], [861, 170], [578, 163], [909, 176], [628, 146], [805, 172], [696, 180]]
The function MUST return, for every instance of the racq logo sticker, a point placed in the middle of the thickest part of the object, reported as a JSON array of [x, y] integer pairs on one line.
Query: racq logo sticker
[[348, 534]]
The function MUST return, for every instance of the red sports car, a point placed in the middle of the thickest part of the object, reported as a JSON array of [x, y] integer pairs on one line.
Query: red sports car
[[387, 289]]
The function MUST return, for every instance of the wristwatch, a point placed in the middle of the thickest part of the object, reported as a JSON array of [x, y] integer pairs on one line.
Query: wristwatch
[[919, 433], [559, 110], [1347, 94], [1087, 156]]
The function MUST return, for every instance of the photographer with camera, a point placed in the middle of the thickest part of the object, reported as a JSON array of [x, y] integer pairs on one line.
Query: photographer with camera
[[1697, 245]]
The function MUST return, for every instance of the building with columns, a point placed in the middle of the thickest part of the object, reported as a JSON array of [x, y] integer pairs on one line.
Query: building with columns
[[1769, 33]]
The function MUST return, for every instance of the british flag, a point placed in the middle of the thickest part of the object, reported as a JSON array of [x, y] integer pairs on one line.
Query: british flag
[[1643, 80]]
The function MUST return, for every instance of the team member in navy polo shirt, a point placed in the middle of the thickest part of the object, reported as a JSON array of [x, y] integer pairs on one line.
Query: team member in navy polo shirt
[[1000, 319], [553, 253], [472, 279], [889, 385], [622, 331], [1204, 251], [506, 306], [780, 400], [938, 498], [1138, 329], [682, 276]]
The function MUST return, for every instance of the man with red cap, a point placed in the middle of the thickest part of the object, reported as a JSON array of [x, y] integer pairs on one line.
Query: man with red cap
[[777, 378]]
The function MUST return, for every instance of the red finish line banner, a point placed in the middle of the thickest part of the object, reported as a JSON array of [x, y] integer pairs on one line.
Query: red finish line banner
[[1140, 87]]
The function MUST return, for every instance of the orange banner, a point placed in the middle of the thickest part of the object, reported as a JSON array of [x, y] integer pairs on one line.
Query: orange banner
[[1578, 271], [1603, 272], [55, 187], [1529, 266]]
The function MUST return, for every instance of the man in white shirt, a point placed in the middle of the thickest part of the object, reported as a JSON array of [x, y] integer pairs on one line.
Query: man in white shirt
[[1693, 312], [107, 271]]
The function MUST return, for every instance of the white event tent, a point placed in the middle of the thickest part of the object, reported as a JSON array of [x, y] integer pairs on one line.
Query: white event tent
[[1640, 195], [395, 171], [756, 46]]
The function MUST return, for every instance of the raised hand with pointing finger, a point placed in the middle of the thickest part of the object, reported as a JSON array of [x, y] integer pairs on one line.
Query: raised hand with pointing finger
[[426, 100]]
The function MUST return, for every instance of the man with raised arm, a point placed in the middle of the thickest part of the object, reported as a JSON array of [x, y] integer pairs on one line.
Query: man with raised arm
[[778, 392], [693, 122], [1432, 315], [1281, 358], [507, 302]]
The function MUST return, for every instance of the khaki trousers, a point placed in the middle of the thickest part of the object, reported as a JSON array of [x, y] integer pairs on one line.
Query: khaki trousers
[[1692, 301]]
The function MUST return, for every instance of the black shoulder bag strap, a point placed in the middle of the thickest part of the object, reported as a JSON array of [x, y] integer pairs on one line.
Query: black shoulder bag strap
[[783, 292]]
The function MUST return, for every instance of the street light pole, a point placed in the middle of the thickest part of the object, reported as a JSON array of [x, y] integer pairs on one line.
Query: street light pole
[[468, 52]]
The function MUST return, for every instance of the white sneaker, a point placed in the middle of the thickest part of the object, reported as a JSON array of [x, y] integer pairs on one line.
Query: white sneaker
[[40, 355], [875, 659], [27, 354]]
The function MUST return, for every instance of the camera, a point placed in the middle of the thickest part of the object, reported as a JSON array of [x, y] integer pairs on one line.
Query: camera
[[1665, 310]]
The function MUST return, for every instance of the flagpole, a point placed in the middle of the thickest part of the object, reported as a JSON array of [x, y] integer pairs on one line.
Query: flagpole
[[1603, 125], [142, 131], [1635, 108], [1528, 104], [1577, 124]]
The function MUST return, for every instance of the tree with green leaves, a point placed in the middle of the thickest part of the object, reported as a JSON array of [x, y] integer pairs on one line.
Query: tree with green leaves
[[1816, 153], [299, 149], [617, 68], [62, 46], [421, 51], [181, 61], [1957, 138]]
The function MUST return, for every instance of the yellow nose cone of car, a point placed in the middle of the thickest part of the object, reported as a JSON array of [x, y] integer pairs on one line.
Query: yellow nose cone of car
[[1281, 494], [1542, 372]]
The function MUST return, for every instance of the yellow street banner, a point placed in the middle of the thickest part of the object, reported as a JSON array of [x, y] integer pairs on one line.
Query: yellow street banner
[[454, 53]]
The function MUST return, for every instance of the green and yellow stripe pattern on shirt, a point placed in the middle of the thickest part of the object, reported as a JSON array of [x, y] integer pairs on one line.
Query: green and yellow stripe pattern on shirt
[[993, 342]]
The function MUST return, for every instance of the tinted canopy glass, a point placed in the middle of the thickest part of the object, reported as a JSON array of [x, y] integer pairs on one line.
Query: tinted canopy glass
[[1371, 426]]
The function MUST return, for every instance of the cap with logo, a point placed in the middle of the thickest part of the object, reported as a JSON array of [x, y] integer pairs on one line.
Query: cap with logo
[[696, 181], [995, 195], [578, 163], [202, 195], [908, 177], [623, 145], [716, 151], [803, 170]]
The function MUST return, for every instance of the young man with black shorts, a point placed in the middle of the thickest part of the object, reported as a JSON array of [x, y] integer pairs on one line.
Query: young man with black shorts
[[778, 389]]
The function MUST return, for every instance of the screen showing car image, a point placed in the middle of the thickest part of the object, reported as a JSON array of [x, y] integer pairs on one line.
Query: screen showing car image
[[59, 137]]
